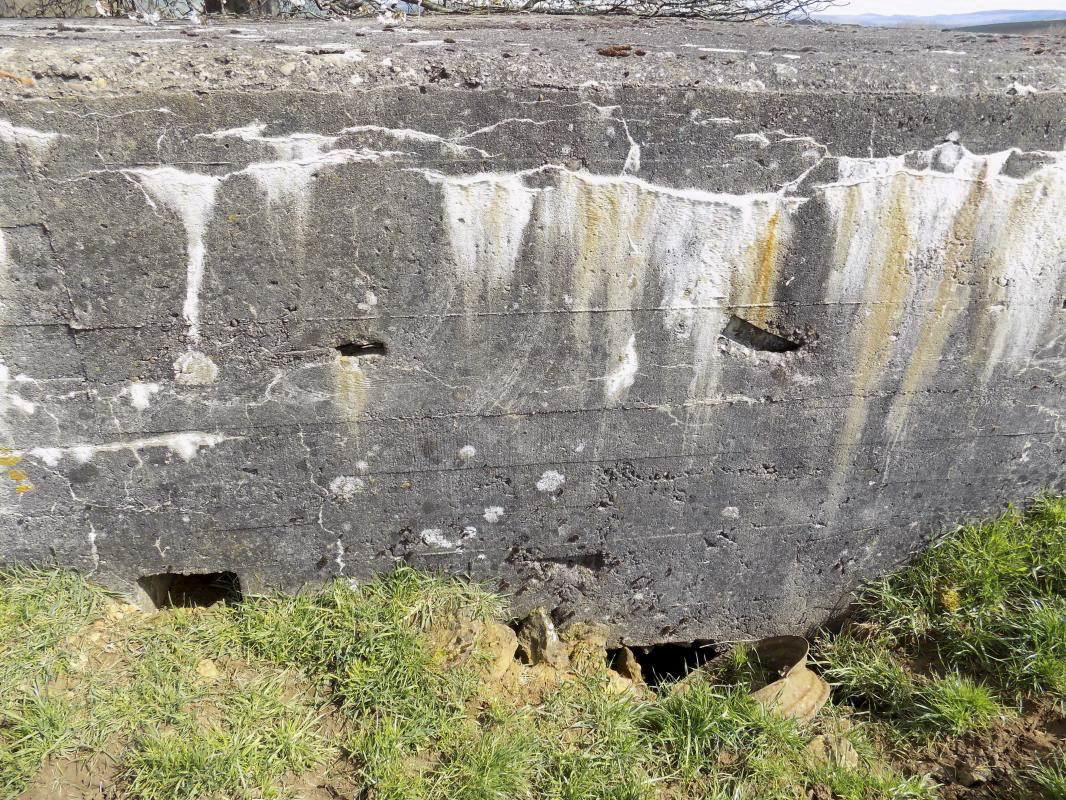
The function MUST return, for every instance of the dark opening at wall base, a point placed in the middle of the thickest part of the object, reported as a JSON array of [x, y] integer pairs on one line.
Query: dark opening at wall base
[[665, 663], [181, 590], [744, 333]]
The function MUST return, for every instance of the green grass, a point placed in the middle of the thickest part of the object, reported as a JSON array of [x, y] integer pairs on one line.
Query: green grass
[[251, 738], [40, 610], [989, 596], [359, 681], [36, 729], [983, 612], [1049, 776]]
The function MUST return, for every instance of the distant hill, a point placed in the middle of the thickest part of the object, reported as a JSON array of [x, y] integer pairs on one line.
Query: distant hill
[[1027, 28], [972, 20]]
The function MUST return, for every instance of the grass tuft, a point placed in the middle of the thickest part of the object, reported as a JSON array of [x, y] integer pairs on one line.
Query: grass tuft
[[1049, 776]]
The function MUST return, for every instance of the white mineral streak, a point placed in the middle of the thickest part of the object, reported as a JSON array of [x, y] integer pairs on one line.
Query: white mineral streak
[[946, 258], [298, 158], [191, 196], [486, 222], [35, 141], [10, 397], [620, 238], [419, 137], [293, 147], [186, 445], [289, 180], [622, 378]]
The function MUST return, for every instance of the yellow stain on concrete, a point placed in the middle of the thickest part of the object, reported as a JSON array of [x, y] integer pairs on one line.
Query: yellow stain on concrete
[[993, 273], [848, 221], [950, 297], [763, 258], [17, 474], [9, 461], [350, 387], [887, 284]]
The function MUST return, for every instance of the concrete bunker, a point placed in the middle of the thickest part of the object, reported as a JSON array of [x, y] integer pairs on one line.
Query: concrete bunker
[[530, 321]]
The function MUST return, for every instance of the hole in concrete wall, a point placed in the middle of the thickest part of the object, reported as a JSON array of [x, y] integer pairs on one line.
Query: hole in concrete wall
[[180, 590], [358, 349], [664, 663], [743, 332]]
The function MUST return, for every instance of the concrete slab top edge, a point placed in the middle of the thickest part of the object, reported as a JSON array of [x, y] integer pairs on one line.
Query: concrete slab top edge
[[50, 58]]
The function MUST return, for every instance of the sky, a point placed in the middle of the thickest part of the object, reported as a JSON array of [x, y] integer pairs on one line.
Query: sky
[[926, 7]]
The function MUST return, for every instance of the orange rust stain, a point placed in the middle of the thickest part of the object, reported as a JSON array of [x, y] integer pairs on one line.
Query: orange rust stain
[[767, 248]]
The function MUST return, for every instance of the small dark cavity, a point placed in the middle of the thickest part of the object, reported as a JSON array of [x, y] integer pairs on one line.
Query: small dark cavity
[[666, 663], [361, 349], [191, 590], [752, 336], [595, 561]]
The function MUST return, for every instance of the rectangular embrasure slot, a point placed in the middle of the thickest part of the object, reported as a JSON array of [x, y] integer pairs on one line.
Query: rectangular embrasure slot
[[743, 332]]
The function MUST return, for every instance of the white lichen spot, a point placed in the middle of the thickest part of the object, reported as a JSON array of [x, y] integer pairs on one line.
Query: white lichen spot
[[467, 452], [731, 512], [625, 373], [435, 537], [346, 487], [195, 369], [469, 532], [551, 481], [492, 514], [369, 301], [363, 467], [140, 394]]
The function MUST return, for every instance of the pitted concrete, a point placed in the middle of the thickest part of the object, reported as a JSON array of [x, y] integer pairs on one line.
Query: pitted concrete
[[689, 341]]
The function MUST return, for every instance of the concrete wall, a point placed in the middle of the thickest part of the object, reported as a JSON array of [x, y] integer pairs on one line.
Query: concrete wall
[[534, 261]]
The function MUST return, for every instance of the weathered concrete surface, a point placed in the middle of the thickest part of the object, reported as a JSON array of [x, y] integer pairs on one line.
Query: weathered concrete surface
[[550, 244]]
